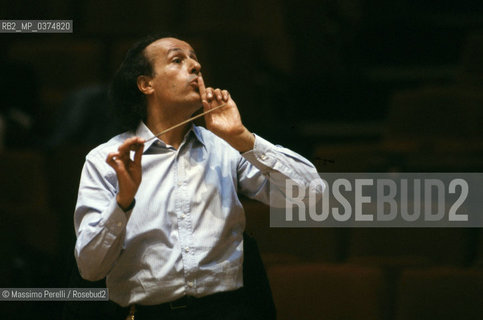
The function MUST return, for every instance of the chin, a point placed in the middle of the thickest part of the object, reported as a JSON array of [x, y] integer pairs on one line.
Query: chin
[[193, 105], [195, 99]]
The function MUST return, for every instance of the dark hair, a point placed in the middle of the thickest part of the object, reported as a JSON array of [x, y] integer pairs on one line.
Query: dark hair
[[128, 104]]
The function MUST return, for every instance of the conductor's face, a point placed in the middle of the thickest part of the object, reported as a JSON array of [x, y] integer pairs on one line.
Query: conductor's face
[[175, 72]]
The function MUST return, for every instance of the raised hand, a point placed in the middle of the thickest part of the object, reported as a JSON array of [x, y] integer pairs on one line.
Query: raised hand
[[128, 171], [225, 122]]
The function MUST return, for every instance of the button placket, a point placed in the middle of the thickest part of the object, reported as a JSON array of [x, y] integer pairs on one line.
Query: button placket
[[184, 225]]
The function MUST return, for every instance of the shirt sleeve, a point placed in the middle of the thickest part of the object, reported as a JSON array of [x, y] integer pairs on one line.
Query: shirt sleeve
[[100, 224], [265, 170]]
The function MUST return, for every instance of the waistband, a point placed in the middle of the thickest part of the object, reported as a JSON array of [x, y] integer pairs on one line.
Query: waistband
[[188, 302]]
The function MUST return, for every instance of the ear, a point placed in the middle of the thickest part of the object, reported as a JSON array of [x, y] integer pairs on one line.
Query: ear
[[145, 85]]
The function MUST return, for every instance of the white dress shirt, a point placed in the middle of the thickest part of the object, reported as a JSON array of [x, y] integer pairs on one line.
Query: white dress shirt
[[184, 235]]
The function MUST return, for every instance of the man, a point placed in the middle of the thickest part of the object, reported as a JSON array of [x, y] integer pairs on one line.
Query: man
[[165, 226]]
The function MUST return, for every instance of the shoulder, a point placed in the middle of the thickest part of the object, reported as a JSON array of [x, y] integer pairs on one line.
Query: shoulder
[[101, 151], [213, 143], [95, 166]]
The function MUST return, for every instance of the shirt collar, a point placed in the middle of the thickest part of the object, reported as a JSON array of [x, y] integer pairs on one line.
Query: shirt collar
[[143, 131], [197, 132]]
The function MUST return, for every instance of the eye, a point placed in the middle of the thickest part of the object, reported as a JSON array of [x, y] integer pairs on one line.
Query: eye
[[177, 60]]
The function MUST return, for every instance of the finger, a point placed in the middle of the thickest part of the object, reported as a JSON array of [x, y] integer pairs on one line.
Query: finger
[[128, 145], [139, 143], [226, 95], [112, 157], [112, 160], [202, 88], [209, 94], [218, 95], [123, 149], [138, 155]]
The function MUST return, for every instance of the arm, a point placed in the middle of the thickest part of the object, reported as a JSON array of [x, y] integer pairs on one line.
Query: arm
[[261, 161], [264, 171], [103, 208]]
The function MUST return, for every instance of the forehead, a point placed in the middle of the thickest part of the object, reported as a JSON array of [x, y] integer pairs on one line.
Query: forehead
[[163, 47]]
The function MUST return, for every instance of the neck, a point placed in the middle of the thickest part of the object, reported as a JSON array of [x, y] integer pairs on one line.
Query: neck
[[160, 118]]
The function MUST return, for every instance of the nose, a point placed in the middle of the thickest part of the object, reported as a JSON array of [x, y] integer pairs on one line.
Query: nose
[[196, 67]]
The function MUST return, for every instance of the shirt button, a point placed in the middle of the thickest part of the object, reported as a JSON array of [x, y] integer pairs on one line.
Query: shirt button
[[187, 249], [263, 157], [183, 216], [190, 284], [180, 183], [119, 224]]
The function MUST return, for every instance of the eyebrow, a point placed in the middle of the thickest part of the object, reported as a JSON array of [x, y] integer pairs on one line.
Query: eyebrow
[[179, 49]]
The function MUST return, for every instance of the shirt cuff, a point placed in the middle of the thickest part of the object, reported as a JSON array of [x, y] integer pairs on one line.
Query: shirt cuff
[[261, 156], [116, 221]]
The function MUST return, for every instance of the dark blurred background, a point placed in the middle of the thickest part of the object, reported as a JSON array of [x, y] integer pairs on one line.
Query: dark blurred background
[[353, 85]]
